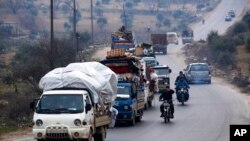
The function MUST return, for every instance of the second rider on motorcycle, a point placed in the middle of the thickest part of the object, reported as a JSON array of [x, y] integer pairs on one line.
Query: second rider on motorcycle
[[167, 95]]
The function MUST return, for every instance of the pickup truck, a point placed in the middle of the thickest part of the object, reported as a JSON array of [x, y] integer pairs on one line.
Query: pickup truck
[[75, 105]]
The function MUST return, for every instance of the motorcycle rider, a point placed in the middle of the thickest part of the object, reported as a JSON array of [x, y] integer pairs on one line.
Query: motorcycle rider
[[181, 82], [167, 95], [180, 76]]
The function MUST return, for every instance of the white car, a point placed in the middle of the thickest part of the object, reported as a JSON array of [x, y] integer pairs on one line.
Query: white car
[[172, 38]]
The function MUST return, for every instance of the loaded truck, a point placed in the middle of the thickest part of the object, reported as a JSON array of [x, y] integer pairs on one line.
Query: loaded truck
[[159, 42], [130, 94], [75, 104], [122, 38]]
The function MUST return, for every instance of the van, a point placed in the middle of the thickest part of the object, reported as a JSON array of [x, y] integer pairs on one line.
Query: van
[[172, 38]]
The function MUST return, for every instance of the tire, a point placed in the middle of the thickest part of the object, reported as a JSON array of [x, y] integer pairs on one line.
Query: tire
[[150, 103], [165, 116], [100, 136], [132, 122], [182, 99], [146, 106], [209, 81]]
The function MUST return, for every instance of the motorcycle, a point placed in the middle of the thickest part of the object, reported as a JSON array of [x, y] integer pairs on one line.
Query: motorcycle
[[182, 95], [166, 111]]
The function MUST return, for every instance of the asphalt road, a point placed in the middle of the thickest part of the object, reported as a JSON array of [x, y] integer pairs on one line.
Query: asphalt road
[[211, 108], [216, 20]]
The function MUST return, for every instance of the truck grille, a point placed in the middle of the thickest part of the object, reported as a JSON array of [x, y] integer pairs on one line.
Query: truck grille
[[57, 132]]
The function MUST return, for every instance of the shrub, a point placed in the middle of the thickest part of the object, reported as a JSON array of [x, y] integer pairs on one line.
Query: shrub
[[248, 45], [239, 27]]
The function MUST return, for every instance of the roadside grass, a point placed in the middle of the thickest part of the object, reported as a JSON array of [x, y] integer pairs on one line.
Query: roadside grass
[[243, 59], [4, 130]]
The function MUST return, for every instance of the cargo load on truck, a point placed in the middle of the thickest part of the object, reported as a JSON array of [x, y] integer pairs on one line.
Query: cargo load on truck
[[159, 42], [122, 38], [92, 75], [130, 84]]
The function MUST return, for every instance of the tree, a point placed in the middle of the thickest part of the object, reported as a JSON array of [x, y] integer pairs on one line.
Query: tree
[[32, 61], [127, 18], [105, 1], [14, 5], [78, 17], [167, 22], [101, 21], [99, 11]]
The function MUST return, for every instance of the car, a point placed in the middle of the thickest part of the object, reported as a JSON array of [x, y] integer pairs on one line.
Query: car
[[228, 18], [172, 38], [198, 72], [231, 13]]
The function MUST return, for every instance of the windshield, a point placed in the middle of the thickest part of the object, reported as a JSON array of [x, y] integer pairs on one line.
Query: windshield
[[56, 104], [151, 63], [200, 67], [122, 90], [162, 71]]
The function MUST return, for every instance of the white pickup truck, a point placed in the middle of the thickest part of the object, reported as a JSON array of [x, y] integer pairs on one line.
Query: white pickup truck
[[73, 106]]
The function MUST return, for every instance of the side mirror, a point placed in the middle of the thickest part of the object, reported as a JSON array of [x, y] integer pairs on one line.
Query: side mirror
[[32, 105], [87, 107], [133, 95], [170, 71]]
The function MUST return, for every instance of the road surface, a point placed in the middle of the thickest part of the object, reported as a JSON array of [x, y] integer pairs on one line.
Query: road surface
[[216, 20], [211, 108]]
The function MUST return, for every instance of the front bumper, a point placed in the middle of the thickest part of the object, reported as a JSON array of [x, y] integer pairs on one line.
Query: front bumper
[[61, 132]]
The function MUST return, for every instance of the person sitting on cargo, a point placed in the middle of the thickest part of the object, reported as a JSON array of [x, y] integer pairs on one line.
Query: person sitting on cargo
[[114, 113], [167, 95]]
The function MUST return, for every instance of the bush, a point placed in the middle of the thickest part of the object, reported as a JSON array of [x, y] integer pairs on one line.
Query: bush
[[239, 27], [246, 19], [248, 45]]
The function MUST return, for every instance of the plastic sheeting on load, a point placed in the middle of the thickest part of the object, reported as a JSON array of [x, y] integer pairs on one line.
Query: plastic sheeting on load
[[101, 81]]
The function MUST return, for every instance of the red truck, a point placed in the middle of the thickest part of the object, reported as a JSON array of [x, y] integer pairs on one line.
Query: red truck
[[159, 42]]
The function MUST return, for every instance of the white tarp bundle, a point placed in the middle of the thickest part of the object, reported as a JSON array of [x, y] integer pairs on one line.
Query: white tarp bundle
[[99, 79]]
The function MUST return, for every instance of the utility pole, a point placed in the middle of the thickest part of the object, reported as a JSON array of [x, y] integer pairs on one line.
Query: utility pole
[[74, 26], [92, 26], [51, 34], [124, 13]]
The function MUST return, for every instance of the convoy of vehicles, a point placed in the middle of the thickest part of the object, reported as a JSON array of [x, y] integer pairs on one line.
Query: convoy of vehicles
[[75, 103], [159, 42]]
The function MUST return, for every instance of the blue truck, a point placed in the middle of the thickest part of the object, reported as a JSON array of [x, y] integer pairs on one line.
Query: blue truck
[[130, 94]]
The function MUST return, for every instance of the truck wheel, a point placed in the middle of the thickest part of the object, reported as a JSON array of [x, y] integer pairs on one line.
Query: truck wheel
[[146, 106], [132, 122], [138, 119], [150, 103]]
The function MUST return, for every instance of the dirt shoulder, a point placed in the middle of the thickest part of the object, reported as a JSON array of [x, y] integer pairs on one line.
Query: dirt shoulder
[[21, 133]]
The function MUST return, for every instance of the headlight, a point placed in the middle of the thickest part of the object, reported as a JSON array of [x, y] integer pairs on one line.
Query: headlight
[[39, 122], [125, 107], [77, 122]]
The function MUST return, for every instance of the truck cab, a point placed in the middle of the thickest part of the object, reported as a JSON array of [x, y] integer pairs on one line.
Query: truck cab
[[163, 72], [129, 102]]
